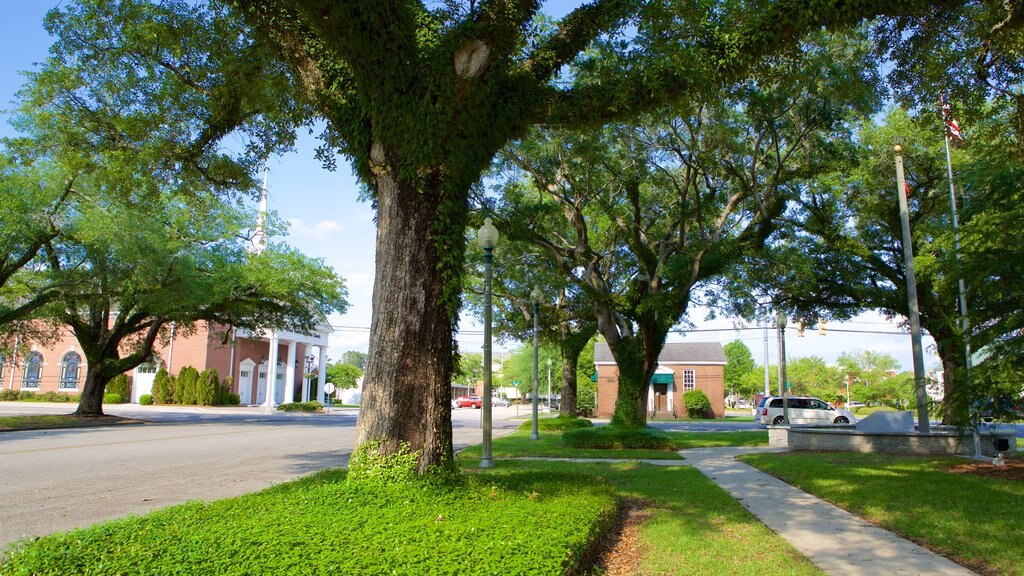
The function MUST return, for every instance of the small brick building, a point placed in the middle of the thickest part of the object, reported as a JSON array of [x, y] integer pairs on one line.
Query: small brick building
[[681, 367]]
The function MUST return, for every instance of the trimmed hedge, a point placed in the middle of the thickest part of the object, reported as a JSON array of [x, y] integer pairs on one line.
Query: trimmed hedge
[[618, 438], [32, 396], [8, 395], [311, 406], [118, 386], [559, 424], [697, 404], [146, 400], [111, 398], [530, 523]]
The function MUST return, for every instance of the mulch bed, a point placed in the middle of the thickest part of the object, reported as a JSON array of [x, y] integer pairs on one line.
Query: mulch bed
[[623, 551], [1012, 469]]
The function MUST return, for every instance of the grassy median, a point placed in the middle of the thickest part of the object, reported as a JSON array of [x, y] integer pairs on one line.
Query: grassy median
[[937, 502]]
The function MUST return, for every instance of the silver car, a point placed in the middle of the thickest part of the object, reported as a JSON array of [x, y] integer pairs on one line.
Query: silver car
[[802, 410]]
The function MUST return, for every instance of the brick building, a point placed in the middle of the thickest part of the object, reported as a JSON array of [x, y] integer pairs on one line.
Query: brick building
[[681, 367], [61, 366]]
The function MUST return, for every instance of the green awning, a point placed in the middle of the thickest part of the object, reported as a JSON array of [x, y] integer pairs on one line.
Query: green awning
[[594, 377], [661, 379]]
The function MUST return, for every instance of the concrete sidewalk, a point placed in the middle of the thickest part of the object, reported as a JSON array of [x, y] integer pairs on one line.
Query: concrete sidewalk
[[835, 540]]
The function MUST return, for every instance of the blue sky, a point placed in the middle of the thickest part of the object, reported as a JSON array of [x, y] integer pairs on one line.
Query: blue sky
[[328, 221]]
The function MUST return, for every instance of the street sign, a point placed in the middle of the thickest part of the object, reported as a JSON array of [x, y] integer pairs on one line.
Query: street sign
[[789, 385], [516, 382], [329, 388]]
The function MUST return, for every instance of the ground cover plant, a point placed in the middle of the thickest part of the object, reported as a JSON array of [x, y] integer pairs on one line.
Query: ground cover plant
[[544, 522], [560, 424], [311, 406], [618, 438], [549, 445], [973, 520]]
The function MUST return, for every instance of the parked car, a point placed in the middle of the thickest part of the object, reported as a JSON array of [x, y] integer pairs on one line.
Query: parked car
[[802, 410], [741, 403], [469, 402], [500, 402]]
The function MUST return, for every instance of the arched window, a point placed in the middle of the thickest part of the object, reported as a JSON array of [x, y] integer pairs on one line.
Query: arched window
[[69, 370], [33, 370]]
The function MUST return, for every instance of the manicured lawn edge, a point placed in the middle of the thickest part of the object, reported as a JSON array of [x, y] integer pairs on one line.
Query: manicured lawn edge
[[973, 520], [55, 421]]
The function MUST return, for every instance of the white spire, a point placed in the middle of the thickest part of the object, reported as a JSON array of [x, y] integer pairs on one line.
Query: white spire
[[259, 239]]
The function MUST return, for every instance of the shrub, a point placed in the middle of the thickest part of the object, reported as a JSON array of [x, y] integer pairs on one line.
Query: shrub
[[27, 395], [311, 406], [206, 387], [223, 393], [559, 424], [118, 385], [111, 398], [233, 399], [697, 404], [370, 465], [49, 396], [8, 395], [618, 438], [185, 386], [146, 399], [163, 387]]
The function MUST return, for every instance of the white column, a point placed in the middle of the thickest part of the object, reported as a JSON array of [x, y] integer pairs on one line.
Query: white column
[[272, 372], [289, 375], [321, 375]]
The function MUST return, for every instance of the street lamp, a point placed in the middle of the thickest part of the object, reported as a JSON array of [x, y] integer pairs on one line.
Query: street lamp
[[781, 318], [535, 296], [309, 378], [549, 385], [487, 236]]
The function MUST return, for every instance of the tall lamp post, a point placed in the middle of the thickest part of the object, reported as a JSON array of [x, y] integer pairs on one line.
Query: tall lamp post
[[782, 368], [487, 236], [535, 296]]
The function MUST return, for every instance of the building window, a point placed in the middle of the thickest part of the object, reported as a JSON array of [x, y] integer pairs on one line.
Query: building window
[[33, 370], [69, 370], [243, 374], [689, 380]]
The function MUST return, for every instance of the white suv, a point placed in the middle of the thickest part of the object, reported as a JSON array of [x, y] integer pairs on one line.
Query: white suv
[[802, 410]]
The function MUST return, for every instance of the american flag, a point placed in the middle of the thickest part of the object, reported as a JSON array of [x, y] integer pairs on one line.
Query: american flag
[[952, 126]]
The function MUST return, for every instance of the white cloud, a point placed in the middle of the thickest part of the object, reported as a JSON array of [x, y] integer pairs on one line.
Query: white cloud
[[320, 231]]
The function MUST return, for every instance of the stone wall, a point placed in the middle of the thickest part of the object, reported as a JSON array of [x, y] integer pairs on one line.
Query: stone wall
[[943, 443]]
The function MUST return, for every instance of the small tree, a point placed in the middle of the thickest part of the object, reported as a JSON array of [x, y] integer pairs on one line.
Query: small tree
[[697, 404], [206, 387], [119, 385], [163, 387], [185, 392]]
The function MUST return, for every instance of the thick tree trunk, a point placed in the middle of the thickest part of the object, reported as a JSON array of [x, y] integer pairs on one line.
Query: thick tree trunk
[[91, 401], [406, 391], [567, 402], [631, 403], [955, 396]]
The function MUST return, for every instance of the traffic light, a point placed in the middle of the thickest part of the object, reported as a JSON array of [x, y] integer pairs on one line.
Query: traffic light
[[821, 327]]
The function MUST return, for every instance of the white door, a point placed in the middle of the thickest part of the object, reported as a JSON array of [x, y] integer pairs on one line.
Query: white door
[[279, 385], [261, 384], [142, 381], [245, 370]]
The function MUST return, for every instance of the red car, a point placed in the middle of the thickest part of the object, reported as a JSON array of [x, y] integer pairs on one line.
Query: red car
[[468, 402]]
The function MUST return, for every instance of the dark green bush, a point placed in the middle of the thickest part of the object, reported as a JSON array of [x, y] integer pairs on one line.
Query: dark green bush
[[118, 385], [311, 406], [223, 393], [111, 398], [163, 387], [207, 387], [618, 438], [48, 396], [185, 387], [27, 396], [697, 404], [233, 399], [8, 395], [560, 424], [146, 400]]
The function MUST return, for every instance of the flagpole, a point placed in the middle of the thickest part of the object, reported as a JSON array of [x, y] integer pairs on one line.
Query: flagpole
[[923, 424], [964, 320]]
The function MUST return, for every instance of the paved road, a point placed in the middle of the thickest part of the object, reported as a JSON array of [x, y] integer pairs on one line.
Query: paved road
[[61, 479]]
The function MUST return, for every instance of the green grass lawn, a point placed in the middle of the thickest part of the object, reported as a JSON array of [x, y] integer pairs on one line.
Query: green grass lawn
[[975, 521], [718, 439], [9, 423], [522, 517], [549, 445]]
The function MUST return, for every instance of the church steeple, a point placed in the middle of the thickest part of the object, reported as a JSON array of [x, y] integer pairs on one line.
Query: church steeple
[[259, 238]]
